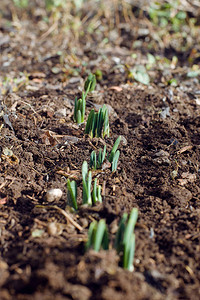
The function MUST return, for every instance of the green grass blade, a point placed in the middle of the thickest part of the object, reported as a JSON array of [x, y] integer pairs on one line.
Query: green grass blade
[[120, 233], [94, 192], [79, 104], [94, 126], [72, 193], [115, 161], [99, 162], [89, 123], [130, 225], [114, 149], [89, 185], [105, 241], [100, 121], [131, 253], [84, 176], [106, 123], [99, 198], [93, 160], [104, 153], [101, 228], [90, 83], [91, 234], [83, 110], [78, 117]]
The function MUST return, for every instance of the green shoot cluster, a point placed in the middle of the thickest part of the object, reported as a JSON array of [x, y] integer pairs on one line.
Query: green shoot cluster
[[124, 239], [87, 183], [112, 157], [80, 104], [97, 163], [97, 236], [98, 123], [89, 196]]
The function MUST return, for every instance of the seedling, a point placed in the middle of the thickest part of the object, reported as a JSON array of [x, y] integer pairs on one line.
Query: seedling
[[98, 123], [114, 155], [72, 193], [97, 236], [125, 239], [115, 161], [97, 163], [114, 149], [79, 107], [87, 181], [90, 84], [96, 193]]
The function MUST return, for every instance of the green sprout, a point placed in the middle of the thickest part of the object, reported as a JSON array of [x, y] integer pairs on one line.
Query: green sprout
[[97, 236], [114, 155], [87, 181], [115, 161], [90, 84], [79, 109], [98, 122], [125, 239], [97, 163], [80, 104], [72, 193], [96, 193]]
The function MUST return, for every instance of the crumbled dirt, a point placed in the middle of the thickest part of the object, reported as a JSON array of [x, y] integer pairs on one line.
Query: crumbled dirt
[[158, 172]]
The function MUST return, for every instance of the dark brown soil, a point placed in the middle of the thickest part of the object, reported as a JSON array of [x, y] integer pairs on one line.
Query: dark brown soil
[[158, 172]]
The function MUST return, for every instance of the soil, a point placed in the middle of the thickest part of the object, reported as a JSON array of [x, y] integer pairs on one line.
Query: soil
[[42, 253]]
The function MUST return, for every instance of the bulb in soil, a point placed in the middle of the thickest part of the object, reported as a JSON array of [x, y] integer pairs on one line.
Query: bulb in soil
[[53, 195]]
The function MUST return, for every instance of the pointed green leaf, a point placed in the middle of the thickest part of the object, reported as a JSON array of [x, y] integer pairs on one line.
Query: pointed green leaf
[[99, 198], [94, 192], [93, 160], [101, 228], [115, 161], [130, 225], [91, 233], [120, 233], [89, 123], [72, 193], [114, 149]]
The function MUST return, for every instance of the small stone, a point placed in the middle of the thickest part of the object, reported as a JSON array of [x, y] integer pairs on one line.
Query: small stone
[[123, 140], [53, 195], [61, 113], [52, 228]]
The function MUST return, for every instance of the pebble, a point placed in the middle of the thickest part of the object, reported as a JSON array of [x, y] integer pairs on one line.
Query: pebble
[[53, 195]]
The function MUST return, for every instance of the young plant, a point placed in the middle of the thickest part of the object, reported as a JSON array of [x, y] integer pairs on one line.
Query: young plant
[[72, 193], [96, 193], [114, 155], [97, 163], [98, 123], [115, 161], [87, 181], [79, 107], [90, 84], [97, 236], [125, 239]]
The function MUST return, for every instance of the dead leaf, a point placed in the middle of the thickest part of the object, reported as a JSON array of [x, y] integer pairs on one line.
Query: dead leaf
[[48, 139]]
